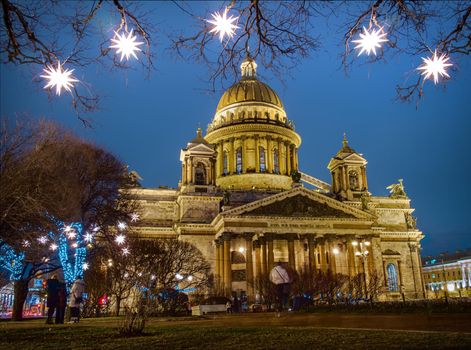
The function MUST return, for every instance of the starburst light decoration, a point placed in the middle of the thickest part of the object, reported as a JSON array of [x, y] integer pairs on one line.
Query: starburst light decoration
[[370, 40], [59, 78], [125, 251], [121, 225], [53, 246], [85, 266], [88, 237], [223, 25], [120, 239], [42, 239], [126, 45], [26, 243], [134, 217], [435, 66]]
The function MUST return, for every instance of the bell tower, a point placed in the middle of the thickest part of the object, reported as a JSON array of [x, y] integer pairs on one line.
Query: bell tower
[[198, 166], [348, 170]]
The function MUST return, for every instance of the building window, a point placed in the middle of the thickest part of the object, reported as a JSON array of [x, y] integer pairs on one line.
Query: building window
[[276, 164], [353, 179], [239, 160], [200, 176], [262, 159], [392, 278], [224, 163]]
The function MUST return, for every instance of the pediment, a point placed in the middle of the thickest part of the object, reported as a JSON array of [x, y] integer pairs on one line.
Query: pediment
[[201, 148], [390, 252], [299, 202]]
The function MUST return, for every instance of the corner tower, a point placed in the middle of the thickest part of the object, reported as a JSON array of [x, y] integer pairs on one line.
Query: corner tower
[[348, 170], [256, 145]]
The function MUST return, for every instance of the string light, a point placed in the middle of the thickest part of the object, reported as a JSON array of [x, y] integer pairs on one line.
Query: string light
[[120, 239], [370, 40], [435, 66], [59, 78], [126, 45], [223, 25], [26, 243]]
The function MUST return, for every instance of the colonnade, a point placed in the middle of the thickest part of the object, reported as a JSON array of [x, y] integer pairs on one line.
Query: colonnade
[[286, 154], [346, 254]]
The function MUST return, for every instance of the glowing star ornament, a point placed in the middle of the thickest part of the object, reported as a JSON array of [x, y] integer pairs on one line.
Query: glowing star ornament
[[53, 246], [85, 266], [26, 243], [126, 45], [125, 251], [120, 239], [88, 237], [42, 239], [59, 78], [134, 217], [223, 25], [122, 225], [370, 40], [435, 66]]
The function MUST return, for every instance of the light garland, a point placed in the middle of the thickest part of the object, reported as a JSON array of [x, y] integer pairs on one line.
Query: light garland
[[223, 25], [435, 66], [126, 45]]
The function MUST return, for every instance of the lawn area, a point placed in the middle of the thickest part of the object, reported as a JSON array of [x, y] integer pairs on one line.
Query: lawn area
[[220, 333]]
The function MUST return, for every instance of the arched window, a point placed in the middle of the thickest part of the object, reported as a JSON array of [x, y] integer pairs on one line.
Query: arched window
[[353, 179], [200, 174], [239, 160], [225, 170], [276, 164], [392, 278], [262, 159]]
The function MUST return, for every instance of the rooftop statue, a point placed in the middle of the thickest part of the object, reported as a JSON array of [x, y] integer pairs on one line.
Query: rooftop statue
[[397, 190]]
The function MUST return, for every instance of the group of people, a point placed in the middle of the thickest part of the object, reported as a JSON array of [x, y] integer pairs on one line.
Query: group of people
[[57, 300]]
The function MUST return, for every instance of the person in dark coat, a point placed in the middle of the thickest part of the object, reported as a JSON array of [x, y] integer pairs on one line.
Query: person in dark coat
[[61, 303], [52, 289]]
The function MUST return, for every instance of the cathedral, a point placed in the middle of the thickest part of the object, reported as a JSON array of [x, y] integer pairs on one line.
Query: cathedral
[[244, 202]]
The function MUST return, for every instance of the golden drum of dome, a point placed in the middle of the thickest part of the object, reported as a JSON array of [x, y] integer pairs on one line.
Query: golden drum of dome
[[249, 91]]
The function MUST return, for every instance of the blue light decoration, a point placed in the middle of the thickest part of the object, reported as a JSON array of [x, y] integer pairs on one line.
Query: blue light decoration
[[11, 261]]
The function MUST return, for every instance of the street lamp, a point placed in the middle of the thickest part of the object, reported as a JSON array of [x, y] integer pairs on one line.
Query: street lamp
[[362, 254]]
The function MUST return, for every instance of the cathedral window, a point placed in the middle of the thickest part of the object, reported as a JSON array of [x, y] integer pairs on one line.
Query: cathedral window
[[276, 163], [392, 278], [200, 174], [353, 180], [225, 170], [262, 159], [239, 160]]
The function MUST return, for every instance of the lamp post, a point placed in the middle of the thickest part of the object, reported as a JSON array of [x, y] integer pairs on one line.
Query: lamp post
[[362, 254]]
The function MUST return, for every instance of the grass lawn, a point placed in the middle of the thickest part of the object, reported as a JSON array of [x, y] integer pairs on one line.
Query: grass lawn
[[170, 334]]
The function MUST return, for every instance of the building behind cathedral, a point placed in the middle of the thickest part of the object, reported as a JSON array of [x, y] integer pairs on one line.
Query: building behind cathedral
[[242, 201]]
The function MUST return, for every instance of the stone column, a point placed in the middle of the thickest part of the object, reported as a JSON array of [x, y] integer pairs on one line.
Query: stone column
[[295, 158], [288, 159], [351, 258], [227, 264], [385, 274], [244, 154], [231, 157], [263, 250], [270, 254], [183, 173], [291, 256], [376, 257], [257, 154], [249, 264], [281, 166], [258, 259], [321, 249], [189, 170], [399, 271], [218, 263], [220, 161], [332, 262], [311, 254], [269, 155]]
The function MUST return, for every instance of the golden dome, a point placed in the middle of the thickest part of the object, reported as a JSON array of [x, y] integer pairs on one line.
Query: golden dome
[[249, 89]]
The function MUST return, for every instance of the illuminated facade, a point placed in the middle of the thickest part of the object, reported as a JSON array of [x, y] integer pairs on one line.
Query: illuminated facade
[[242, 202], [451, 276]]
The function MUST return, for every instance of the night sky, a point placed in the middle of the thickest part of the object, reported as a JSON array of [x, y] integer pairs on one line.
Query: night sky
[[145, 121]]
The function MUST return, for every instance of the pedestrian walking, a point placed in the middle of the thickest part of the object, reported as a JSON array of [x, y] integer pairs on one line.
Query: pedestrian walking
[[61, 303], [280, 277], [52, 290], [75, 299]]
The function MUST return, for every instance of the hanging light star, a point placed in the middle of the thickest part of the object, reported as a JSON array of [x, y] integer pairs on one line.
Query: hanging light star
[[59, 78], [435, 66], [88, 237], [125, 251], [121, 225], [134, 217], [126, 45], [85, 266], [120, 239], [42, 239], [223, 25], [71, 234], [369, 41], [53, 246], [26, 243]]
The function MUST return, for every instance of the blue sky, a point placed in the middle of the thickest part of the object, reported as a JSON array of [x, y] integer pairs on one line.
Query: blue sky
[[146, 121]]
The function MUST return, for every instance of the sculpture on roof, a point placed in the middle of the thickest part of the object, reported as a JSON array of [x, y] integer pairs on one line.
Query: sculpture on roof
[[397, 190]]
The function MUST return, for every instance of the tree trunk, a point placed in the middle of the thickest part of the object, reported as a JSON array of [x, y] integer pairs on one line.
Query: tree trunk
[[20, 294], [118, 305]]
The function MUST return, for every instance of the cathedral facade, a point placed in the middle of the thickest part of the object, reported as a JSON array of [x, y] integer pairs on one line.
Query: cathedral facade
[[242, 201]]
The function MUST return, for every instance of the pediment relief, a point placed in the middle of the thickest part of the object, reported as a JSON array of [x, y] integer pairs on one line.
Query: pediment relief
[[201, 148], [390, 252], [299, 202]]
